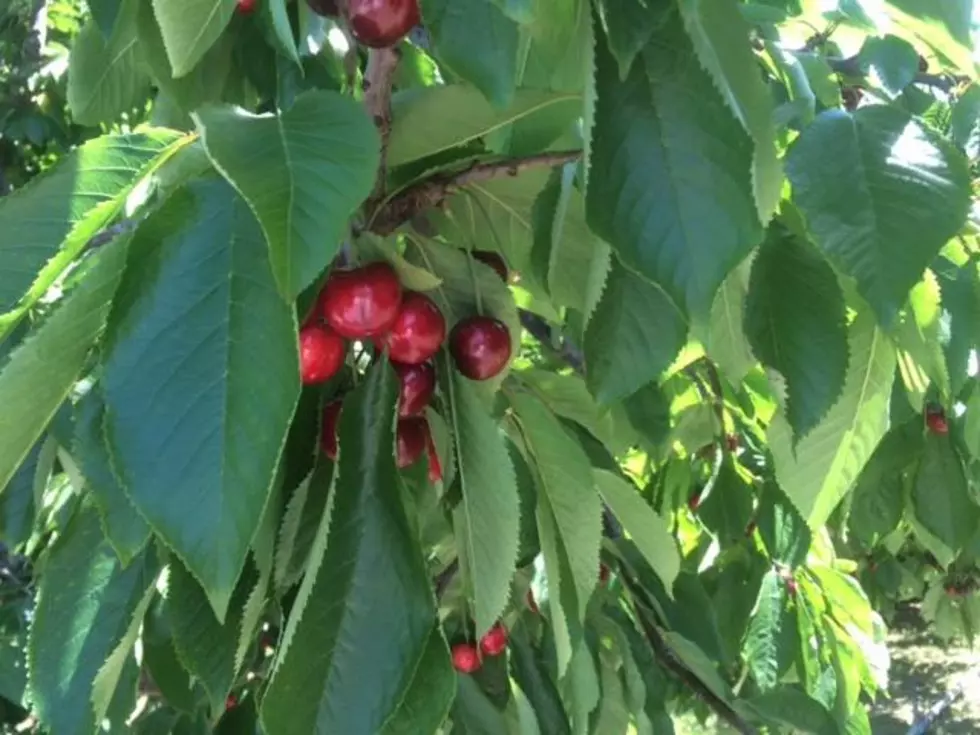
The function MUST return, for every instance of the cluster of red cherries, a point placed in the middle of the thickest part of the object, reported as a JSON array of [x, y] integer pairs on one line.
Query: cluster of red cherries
[[466, 657], [368, 304], [374, 23]]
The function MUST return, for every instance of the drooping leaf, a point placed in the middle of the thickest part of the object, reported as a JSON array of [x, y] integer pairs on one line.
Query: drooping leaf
[[649, 531], [770, 642], [40, 373], [199, 307], [490, 509], [478, 42], [633, 336], [365, 604], [941, 499], [685, 231], [190, 28], [796, 322], [303, 172], [826, 462], [85, 606], [881, 195], [720, 35]]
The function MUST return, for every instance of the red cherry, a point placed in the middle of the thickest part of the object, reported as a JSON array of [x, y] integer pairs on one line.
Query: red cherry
[[246, 6], [418, 383], [480, 347], [411, 437], [603, 574], [466, 659], [495, 641], [231, 701], [362, 302], [792, 587], [321, 354], [328, 431], [418, 332], [381, 23], [693, 503], [435, 466], [326, 8], [936, 421], [494, 260]]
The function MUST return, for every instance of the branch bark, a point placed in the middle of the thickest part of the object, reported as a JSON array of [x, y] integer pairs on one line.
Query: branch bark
[[378, 83]]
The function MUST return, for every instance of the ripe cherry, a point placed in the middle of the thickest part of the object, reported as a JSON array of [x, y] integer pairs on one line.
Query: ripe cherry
[[936, 421], [480, 347], [326, 8], [603, 574], [418, 331], [466, 659], [435, 466], [321, 354], [494, 260], [246, 6], [494, 641], [362, 302], [694, 502], [418, 383], [410, 440], [381, 23], [231, 701], [328, 430]]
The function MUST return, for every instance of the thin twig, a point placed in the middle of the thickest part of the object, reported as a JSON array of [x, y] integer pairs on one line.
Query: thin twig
[[851, 67], [378, 82], [538, 328]]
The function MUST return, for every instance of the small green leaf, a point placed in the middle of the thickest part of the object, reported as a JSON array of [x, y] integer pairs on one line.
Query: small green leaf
[[198, 306], [303, 173], [724, 337], [628, 25], [649, 531], [829, 459], [770, 642], [633, 336], [490, 509], [162, 663], [18, 500], [685, 231], [796, 322], [884, 220], [365, 604], [478, 42], [190, 28], [894, 62], [941, 499], [430, 694], [790, 706], [85, 606]]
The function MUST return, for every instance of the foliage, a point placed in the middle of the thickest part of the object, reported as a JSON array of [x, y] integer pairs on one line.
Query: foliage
[[699, 407]]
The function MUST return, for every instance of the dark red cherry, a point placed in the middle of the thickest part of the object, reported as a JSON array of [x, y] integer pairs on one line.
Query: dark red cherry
[[381, 23], [418, 331], [362, 302], [435, 466], [321, 354], [410, 440], [466, 659], [418, 383], [480, 346]]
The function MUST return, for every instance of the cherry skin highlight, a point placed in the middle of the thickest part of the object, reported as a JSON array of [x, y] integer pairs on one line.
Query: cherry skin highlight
[[418, 331], [362, 302], [466, 659]]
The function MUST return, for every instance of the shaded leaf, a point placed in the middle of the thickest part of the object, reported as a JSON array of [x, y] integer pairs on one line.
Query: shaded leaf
[[944, 26], [190, 27], [770, 642], [628, 25], [894, 62], [941, 499]]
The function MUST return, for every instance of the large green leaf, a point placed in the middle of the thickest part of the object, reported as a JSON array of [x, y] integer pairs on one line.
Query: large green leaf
[[85, 606], [961, 303], [125, 529], [670, 184], [475, 40], [106, 77], [18, 500], [828, 460], [634, 335], [303, 172], [789, 705], [47, 224], [941, 499], [944, 25], [190, 28], [721, 40], [771, 642], [41, 372], [365, 604], [200, 340], [489, 515], [425, 704], [649, 531], [796, 322], [428, 120], [881, 195]]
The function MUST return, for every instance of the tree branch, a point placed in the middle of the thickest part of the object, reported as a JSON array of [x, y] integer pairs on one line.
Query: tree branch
[[378, 82], [851, 67], [435, 190], [538, 328]]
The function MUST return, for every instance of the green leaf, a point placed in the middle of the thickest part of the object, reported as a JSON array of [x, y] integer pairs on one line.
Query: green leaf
[[770, 642], [18, 500], [198, 306], [190, 28], [826, 462], [796, 322], [429, 120], [920, 334], [125, 529], [635, 334], [894, 62], [162, 663], [966, 112], [613, 715], [944, 26], [881, 195], [303, 172], [300, 522], [106, 79], [670, 181], [48, 223], [105, 13], [474, 713], [476, 41], [426, 703], [723, 337], [788, 705], [489, 514], [649, 531], [40, 373], [721, 40], [205, 646], [582, 689], [961, 304], [365, 603], [628, 25], [941, 499], [569, 511], [85, 606], [277, 16]]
